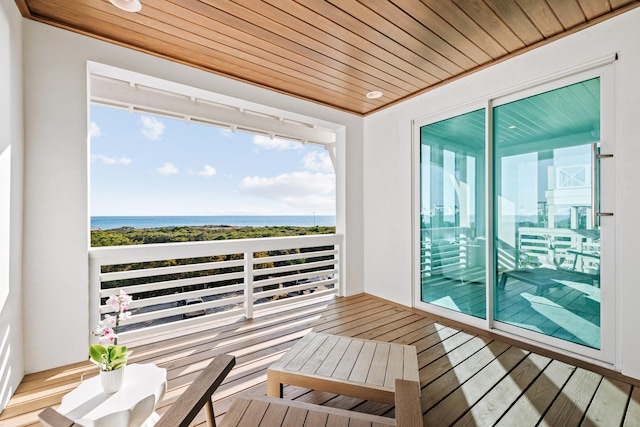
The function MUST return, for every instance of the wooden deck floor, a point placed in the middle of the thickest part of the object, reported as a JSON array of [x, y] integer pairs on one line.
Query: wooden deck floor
[[466, 379]]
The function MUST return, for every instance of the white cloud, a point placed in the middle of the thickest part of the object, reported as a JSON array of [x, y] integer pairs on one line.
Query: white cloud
[[111, 160], [303, 190], [207, 171], [167, 169], [290, 184], [276, 143], [94, 130], [152, 128], [318, 161]]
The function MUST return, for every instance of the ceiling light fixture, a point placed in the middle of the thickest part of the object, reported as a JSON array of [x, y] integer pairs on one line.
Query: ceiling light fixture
[[374, 94], [127, 5]]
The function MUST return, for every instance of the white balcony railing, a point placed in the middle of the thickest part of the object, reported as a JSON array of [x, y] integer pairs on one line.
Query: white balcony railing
[[182, 284]]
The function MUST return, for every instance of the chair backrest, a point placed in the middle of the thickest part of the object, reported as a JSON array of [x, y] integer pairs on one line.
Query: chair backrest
[[184, 409], [408, 404], [198, 394], [52, 418]]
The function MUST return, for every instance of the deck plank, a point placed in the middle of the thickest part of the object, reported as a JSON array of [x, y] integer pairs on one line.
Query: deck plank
[[490, 408], [632, 417], [451, 378], [570, 406], [528, 410], [609, 404], [468, 393]]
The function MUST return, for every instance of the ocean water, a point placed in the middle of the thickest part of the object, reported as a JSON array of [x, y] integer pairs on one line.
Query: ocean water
[[110, 222]]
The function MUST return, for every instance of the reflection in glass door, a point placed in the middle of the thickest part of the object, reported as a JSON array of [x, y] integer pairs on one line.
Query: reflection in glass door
[[547, 244], [452, 214]]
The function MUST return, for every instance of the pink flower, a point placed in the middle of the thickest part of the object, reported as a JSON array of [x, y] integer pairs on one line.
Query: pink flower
[[119, 302], [108, 335], [108, 321], [125, 299], [107, 328]]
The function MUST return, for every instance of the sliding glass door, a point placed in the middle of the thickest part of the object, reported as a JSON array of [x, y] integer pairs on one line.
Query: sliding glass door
[[510, 230], [452, 220], [548, 246]]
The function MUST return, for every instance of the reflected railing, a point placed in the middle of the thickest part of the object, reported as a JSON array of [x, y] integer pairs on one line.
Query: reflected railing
[[179, 285], [452, 247], [577, 250]]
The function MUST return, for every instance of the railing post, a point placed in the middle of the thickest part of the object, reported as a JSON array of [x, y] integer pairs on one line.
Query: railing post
[[248, 285], [342, 291], [94, 294]]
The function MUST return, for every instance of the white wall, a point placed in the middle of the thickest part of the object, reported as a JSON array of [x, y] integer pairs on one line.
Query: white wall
[[387, 160], [56, 200], [11, 189]]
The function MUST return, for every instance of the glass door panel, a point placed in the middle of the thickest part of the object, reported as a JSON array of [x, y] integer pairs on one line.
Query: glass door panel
[[452, 214], [547, 246]]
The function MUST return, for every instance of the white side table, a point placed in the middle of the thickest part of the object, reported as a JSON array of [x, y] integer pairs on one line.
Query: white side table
[[132, 406]]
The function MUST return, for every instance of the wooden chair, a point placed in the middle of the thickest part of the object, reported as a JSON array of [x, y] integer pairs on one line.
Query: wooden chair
[[52, 418], [183, 410]]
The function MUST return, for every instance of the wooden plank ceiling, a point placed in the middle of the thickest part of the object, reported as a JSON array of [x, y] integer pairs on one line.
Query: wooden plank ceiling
[[332, 52]]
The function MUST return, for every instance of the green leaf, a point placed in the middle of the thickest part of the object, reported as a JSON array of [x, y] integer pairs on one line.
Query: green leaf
[[117, 351], [98, 353], [118, 365]]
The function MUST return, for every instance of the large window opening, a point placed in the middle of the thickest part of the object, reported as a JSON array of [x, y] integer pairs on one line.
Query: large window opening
[[161, 160], [171, 163]]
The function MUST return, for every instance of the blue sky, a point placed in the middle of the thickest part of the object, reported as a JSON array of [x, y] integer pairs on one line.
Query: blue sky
[[149, 165]]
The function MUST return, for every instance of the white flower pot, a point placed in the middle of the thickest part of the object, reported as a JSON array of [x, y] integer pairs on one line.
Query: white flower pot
[[112, 380]]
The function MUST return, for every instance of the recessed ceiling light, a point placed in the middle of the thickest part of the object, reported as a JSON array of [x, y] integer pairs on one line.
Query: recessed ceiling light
[[127, 5], [375, 94], [512, 127]]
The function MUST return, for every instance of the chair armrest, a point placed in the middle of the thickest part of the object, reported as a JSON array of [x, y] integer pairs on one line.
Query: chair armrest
[[52, 418], [187, 406], [408, 406]]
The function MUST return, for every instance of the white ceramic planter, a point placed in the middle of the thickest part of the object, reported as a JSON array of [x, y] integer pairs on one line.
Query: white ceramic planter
[[112, 380]]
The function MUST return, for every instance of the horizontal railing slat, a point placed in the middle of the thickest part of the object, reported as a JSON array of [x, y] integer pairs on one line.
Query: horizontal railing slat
[[171, 327], [292, 277], [166, 299], [294, 288], [168, 284], [109, 255], [293, 300], [294, 267], [162, 271], [289, 257], [167, 312]]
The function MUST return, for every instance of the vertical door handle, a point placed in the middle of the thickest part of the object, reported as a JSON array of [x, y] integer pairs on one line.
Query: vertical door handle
[[595, 206]]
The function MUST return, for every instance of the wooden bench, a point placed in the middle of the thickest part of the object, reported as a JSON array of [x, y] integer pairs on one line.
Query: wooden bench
[[184, 409], [354, 367], [250, 411]]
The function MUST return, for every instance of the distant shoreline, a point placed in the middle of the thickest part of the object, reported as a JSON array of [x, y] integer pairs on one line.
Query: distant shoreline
[[151, 222]]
